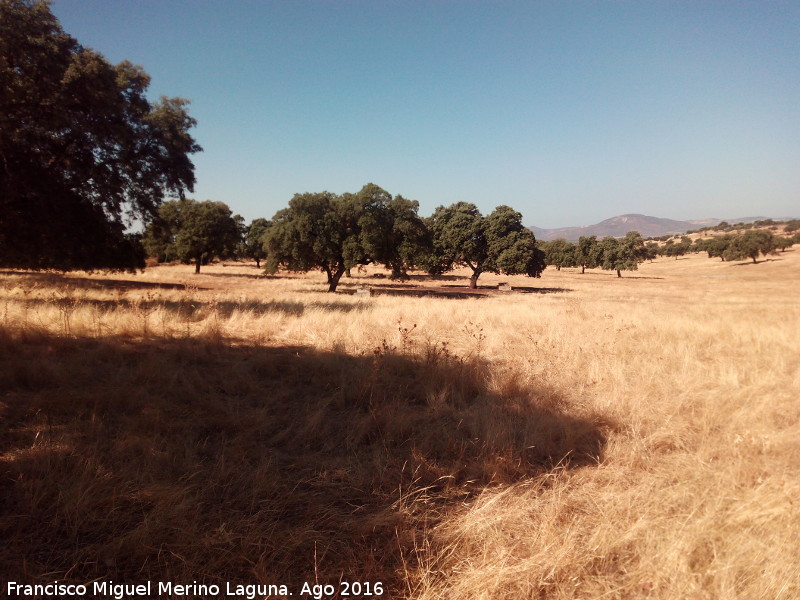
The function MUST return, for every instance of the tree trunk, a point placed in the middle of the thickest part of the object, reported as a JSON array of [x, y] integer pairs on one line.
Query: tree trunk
[[258, 263], [327, 270], [197, 265], [347, 273], [583, 269], [473, 280], [335, 279], [619, 273], [398, 273]]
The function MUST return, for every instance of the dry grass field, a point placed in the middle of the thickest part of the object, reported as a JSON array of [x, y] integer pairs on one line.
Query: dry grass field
[[582, 437]]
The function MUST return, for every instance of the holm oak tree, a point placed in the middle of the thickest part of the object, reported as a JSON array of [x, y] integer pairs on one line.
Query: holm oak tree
[[83, 151], [498, 243]]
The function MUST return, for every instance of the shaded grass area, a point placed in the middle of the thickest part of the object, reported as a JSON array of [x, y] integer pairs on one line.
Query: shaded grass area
[[197, 459], [189, 308], [452, 292], [46, 278]]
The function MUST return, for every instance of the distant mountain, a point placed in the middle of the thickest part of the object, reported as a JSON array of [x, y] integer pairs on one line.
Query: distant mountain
[[619, 226]]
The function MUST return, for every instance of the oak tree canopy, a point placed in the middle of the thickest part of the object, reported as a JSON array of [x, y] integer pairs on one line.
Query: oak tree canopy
[[83, 151]]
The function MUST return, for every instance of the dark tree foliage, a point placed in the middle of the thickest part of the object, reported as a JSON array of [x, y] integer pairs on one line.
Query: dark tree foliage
[[750, 244], [651, 251], [82, 149], [191, 231], [677, 250], [335, 233], [253, 241], [498, 243], [588, 253], [392, 232], [317, 231], [560, 253], [782, 243], [623, 254], [716, 246]]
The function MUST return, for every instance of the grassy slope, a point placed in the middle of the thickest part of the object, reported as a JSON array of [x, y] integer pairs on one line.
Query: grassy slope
[[616, 438]]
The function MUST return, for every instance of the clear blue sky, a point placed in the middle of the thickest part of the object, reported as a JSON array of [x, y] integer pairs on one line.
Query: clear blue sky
[[570, 112]]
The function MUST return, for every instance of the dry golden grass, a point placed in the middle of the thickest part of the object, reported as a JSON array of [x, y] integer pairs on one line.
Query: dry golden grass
[[587, 437]]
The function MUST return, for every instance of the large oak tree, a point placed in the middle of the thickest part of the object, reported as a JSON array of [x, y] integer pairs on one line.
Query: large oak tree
[[317, 231], [83, 151], [498, 243], [335, 233], [588, 253], [623, 254], [392, 232]]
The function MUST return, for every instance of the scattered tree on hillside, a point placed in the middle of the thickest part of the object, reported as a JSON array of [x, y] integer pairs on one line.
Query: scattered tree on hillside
[[792, 226], [82, 148], [559, 253], [698, 246], [750, 244], [252, 246], [782, 243], [191, 231], [622, 254], [498, 243], [677, 250], [716, 246], [587, 253], [651, 251]]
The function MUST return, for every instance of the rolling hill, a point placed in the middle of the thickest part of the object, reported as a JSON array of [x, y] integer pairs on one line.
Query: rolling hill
[[618, 226]]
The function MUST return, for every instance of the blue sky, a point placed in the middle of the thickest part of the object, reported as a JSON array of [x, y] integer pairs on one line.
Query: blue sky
[[570, 112]]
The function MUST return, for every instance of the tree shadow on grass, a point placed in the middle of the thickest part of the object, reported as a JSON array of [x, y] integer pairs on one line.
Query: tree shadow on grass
[[420, 292], [750, 262], [541, 290], [196, 310], [461, 292], [260, 276], [56, 279], [452, 291], [426, 277], [198, 460]]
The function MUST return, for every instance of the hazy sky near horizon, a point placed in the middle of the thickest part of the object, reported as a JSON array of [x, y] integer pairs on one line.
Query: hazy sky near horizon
[[570, 112]]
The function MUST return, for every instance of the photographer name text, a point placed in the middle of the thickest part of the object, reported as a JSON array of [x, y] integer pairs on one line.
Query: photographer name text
[[194, 590]]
